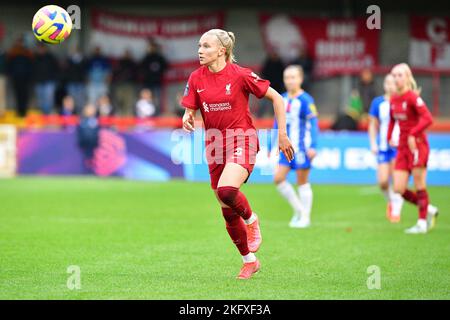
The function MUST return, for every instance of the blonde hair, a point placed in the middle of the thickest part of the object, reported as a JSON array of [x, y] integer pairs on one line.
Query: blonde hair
[[387, 76], [227, 40], [411, 82]]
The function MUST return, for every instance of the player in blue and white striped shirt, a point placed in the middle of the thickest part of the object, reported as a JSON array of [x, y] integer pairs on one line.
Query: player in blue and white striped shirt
[[379, 117], [302, 129]]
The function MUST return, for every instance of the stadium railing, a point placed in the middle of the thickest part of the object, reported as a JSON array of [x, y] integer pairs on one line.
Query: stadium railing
[[124, 123], [37, 121]]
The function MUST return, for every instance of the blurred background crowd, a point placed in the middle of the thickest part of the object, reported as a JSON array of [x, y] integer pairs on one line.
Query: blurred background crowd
[[111, 92], [65, 85], [125, 86], [145, 77]]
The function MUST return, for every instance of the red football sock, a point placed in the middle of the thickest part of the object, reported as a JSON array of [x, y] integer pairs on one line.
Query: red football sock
[[236, 229], [410, 196], [236, 200], [422, 203]]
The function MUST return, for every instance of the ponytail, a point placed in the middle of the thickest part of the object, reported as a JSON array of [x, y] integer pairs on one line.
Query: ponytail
[[227, 39]]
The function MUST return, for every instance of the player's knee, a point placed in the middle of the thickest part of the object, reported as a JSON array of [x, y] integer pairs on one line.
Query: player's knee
[[419, 180], [420, 185], [227, 194], [278, 179], [399, 188], [384, 184]]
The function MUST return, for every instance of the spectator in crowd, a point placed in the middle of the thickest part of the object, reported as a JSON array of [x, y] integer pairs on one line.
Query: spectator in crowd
[[359, 103], [366, 89], [144, 106], [45, 73], [104, 106], [87, 134], [2, 81], [98, 75], [180, 109], [68, 106], [61, 90], [348, 120], [306, 62], [67, 110], [124, 83], [19, 63], [153, 67], [272, 70], [75, 73]]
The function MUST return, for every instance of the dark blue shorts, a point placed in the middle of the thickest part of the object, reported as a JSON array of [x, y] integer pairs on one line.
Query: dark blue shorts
[[386, 156], [300, 161]]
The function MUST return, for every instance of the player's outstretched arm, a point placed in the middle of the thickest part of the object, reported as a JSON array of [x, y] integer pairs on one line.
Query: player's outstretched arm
[[188, 119], [391, 129], [284, 144], [314, 123], [373, 131]]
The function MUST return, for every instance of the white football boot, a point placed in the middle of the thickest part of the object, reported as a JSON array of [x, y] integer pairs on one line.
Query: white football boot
[[419, 228], [294, 220], [431, 216], [301, 223]]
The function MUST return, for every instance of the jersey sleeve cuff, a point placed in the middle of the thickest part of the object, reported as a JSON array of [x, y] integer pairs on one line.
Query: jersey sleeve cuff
[[264, 92], [189, 106]]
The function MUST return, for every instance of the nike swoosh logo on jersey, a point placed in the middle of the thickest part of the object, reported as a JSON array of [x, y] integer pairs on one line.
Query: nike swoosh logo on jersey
[[200, 90]]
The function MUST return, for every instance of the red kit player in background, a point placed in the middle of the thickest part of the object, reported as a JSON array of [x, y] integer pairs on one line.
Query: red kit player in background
[[413, 117], [221, 89]]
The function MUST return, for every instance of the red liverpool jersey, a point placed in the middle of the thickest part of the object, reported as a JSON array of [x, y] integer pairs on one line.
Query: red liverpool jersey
[[412, 115], [222, 97]]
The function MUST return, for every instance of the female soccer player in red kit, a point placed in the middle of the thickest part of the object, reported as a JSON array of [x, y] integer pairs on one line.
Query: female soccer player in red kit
[[413, 117], [220, 89]]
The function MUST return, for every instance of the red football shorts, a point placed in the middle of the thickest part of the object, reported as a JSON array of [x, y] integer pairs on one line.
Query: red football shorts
[[241, 150], [407, 160]]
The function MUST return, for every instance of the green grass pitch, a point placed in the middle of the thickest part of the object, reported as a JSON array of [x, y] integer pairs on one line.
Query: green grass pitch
[[140, 240]]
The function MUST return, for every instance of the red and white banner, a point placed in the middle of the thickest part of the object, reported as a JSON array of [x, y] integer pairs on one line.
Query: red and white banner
[[430, 42], [337, 46], [178, 36]]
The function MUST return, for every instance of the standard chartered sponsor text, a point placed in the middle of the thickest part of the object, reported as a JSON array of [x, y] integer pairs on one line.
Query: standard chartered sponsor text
[[219, 106]]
